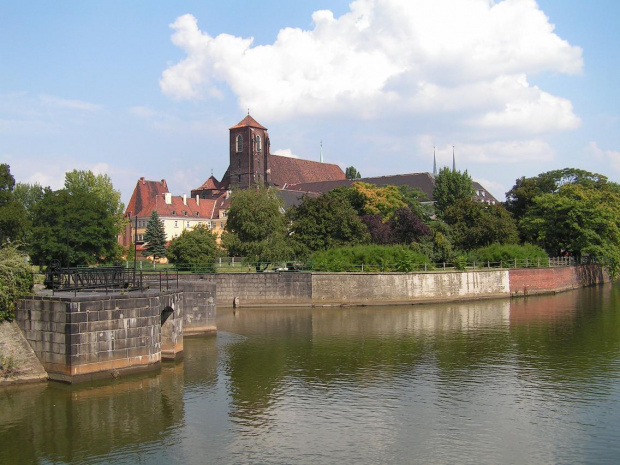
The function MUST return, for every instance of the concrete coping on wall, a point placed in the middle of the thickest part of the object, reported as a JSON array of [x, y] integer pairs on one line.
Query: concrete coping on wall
[[69, 296]]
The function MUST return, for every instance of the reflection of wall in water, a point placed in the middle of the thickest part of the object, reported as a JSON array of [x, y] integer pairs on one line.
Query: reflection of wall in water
[[416, 319], [70, 423]]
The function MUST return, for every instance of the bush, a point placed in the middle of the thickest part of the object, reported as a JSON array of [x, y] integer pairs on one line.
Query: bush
[[497, 253], [372, 257], [15, 280]]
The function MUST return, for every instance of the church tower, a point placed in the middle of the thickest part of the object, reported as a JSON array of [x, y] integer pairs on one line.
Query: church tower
[[249, 154]]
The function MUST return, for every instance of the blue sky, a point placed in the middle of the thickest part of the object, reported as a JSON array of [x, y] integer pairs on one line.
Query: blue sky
[[146, 88]]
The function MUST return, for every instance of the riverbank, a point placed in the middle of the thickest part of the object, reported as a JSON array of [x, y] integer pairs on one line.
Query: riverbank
[[19, 363]]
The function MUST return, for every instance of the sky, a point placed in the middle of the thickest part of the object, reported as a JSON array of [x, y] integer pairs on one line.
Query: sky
[[150, 88]]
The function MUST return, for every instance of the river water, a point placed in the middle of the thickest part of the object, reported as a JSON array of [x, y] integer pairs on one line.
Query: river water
[[533, 380]]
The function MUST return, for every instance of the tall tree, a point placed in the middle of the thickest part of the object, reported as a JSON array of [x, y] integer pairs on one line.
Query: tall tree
[[13, 221], [520, 198], [379, 200], [581, 219], [155, 237], [324, 222], [451, 186], [74, 229], [352, 173], [255, 227]]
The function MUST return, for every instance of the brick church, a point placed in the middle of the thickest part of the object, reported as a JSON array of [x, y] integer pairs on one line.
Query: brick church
[[250, 164]]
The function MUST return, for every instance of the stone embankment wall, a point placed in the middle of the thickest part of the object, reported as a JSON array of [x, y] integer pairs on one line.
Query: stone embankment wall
[[198, 307], [290, 289], [88, 336]]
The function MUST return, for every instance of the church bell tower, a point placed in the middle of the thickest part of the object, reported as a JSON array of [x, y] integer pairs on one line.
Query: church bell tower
[[249, 154]]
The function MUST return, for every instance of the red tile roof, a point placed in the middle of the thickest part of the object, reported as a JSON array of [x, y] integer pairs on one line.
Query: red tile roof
[[143, 194], [209, 184], [248, 121], [287, 170]]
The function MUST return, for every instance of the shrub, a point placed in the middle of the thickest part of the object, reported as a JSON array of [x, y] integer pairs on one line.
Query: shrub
[[497, 253], [372, 257], [15, 280]]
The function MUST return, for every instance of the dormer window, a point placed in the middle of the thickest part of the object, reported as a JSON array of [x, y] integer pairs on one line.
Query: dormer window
[[173, 212], [185, 213], [259, 144], [239, 143]]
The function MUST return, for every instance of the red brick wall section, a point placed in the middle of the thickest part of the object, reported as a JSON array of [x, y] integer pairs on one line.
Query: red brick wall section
[[547, 280]]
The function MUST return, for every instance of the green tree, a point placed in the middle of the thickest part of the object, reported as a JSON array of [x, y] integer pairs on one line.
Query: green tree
[[352, 173], [324, 222], [256, 227], [476, 224], [451, 186], [86, 183], [196, 246], [15, 280], [582, 219], [74, 229], [13, 220], [521, 197], [155, 238], [28, 195]]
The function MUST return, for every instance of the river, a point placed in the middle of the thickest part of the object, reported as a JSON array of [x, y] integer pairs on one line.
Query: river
[[534, 380]]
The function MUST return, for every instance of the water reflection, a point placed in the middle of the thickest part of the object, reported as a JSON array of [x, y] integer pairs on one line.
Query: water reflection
[[522, 381]]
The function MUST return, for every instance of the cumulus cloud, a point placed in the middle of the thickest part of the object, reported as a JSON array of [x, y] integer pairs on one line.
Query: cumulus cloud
[[609, 156], [285, 153], [386, 57]]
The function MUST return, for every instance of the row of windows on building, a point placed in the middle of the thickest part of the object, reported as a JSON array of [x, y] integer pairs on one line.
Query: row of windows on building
[[257, 140]]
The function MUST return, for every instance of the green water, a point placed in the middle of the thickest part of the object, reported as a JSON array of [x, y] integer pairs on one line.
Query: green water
[[524, 381]]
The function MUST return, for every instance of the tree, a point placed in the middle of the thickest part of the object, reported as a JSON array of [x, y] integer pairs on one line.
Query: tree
[[324, 222], [86, 183], [73, 229], [407, 227], [256, 227], [352, 173], [194, 246], [28, 195], [155, 237], [379, 200], [520, 198], [15, 280], [581, 219], [13, 221], [476, 224], [451, 186]]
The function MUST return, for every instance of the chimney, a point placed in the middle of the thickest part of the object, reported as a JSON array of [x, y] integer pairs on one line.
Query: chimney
[[142, 180], [184, 199], [197, 199], [168, 198]]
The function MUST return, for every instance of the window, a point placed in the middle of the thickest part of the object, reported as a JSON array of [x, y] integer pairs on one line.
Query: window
[[239, 178], [173, 212], [239, 143], [258, 144], [188, 224], [176, 224]]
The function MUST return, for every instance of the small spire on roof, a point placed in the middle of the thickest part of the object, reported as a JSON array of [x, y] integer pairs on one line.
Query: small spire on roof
[[434, 163], [248, 112], [321, 158]]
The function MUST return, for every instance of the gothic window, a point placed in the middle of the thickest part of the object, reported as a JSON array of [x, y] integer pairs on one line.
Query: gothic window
[[239, 143], [258, 144], [239, 178]]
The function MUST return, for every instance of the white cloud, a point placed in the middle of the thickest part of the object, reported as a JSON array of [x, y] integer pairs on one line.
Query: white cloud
[[50, 100], [609, 156], [390, 57], [285, 153]]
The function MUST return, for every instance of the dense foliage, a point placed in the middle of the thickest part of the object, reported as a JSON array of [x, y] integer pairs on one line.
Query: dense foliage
[[498, 253], [324, 222], [15, 280], [256, 227], [372, 257], [155, 238], [450, 187], [194, 247], [352, 173], [13, 219]]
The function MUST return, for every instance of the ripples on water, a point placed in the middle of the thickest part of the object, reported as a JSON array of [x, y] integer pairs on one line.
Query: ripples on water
[[527, 381]]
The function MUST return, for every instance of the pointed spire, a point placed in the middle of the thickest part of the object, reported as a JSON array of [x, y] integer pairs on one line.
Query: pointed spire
[[453, 161], [434, 163], [321, 159]]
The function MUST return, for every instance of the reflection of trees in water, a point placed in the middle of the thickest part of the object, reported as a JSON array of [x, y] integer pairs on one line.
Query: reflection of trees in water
[[70, 423], [562, 336]]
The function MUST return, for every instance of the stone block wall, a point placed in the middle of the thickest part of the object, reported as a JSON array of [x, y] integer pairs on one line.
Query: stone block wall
[[198, 306], [93, 335], [263, 288]]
